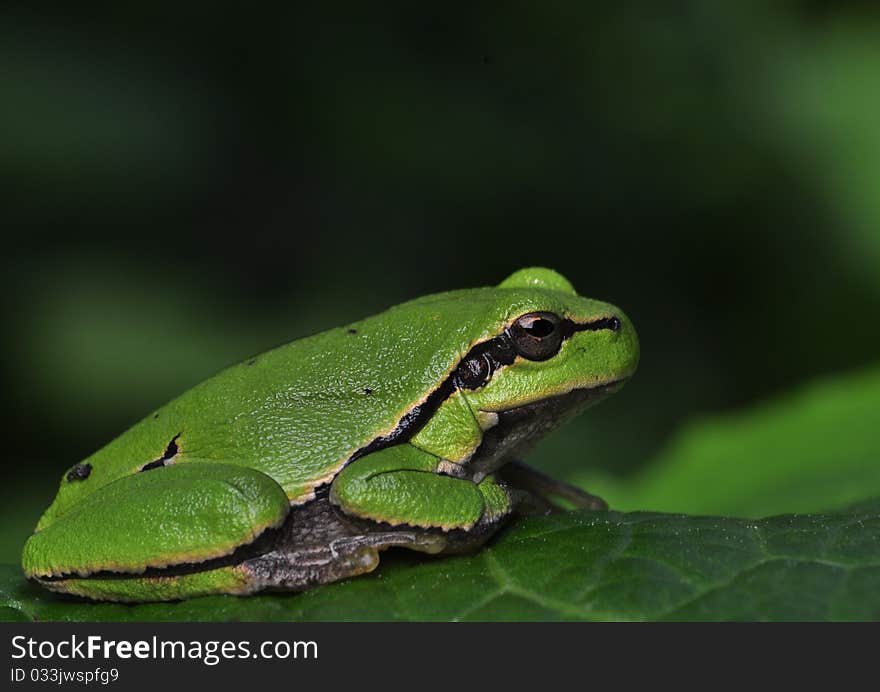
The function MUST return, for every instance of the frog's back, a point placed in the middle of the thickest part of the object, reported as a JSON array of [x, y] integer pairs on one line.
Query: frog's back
[[300, 412]]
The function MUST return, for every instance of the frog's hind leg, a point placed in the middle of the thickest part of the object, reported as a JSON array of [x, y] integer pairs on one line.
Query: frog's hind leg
[[317, 546], [539, 488]]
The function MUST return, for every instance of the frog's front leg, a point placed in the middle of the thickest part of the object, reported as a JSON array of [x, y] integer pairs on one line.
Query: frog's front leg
[[401, 485]]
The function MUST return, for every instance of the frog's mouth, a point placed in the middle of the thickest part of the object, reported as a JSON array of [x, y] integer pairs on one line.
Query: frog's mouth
[[520, 427]]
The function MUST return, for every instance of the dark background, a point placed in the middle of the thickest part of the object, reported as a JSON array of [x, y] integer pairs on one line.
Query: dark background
[[184, 189]]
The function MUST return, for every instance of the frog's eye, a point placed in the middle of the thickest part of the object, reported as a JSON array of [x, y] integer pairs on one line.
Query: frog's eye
[[538, 335]]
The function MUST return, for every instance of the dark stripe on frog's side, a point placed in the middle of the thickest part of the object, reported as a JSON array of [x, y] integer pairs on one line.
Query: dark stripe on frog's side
[[499, 351], [170, 452], [82, 471]]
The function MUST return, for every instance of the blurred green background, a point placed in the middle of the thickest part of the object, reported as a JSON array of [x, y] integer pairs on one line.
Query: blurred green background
[[184, 190]]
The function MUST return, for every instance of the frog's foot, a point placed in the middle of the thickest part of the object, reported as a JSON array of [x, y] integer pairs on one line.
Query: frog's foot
[[539, 488], [318, 545]]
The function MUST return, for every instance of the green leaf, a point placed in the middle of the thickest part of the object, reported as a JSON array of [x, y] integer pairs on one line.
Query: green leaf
[[575, 566], [808, 451]]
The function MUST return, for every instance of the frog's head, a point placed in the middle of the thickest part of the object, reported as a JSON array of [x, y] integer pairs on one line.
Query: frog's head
[[556, 354]]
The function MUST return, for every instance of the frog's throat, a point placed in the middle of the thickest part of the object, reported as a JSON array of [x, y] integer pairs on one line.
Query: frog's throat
[[515, 430], [520, 427]]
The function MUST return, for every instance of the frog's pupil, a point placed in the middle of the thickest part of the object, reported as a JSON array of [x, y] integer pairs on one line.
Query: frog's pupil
[[540, 328]]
